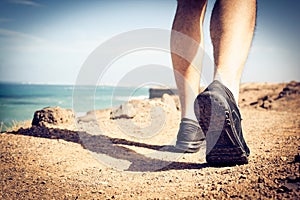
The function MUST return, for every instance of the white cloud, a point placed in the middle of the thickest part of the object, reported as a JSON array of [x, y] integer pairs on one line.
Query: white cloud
[[26, 3], [15, 34], [22, 42]]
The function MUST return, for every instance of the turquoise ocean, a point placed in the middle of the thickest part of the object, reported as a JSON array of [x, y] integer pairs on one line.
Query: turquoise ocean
[[18, 102]]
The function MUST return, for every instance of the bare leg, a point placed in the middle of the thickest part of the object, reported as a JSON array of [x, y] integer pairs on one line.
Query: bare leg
[[232, 26], [188, 20]]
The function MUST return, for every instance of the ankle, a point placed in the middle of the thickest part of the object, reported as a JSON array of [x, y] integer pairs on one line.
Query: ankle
[[232, 85], [190, 116]]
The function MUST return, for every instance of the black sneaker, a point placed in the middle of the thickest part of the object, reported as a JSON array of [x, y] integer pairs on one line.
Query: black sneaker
[[190, 136], [220, 120]]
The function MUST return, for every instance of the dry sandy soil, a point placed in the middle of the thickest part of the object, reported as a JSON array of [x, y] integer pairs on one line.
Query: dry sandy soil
[[102, 158]]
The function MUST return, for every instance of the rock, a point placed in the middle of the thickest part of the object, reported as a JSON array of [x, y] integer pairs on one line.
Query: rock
[[92, 116], [125, 111], [87, 118], [263, 102], [242, 176], [291, 88], [270, 100], [54, 117], [159, 92], [169, 102], [283, 158], [260, 180]]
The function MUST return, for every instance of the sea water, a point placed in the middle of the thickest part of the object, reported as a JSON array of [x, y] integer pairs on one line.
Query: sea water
[[18, 102]]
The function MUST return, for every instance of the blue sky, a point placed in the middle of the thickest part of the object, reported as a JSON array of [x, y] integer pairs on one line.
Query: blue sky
[[48, 41]]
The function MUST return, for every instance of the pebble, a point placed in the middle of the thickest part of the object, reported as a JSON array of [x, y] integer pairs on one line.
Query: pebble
[[243, 176], [260, 180], [283, 158]]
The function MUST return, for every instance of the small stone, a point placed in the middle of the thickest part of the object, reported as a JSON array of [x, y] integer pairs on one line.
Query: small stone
[[125, 111], [283, 158], [260, 185], [227, 171], [260, 180], [243, 176]]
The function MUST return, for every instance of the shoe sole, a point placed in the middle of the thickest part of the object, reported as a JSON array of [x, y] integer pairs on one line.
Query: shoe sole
[[223, 147]]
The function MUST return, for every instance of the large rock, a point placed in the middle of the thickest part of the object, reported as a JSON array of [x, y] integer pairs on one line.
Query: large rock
[[169, 102], [159, 92], [263, 102], [54, 117], [292, 88], [287, 96], [125, 110]]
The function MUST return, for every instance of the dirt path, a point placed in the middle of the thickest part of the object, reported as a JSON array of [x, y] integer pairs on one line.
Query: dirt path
[[146, 167]]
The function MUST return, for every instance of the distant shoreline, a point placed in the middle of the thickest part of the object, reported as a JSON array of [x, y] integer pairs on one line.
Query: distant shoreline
[[19, 105]]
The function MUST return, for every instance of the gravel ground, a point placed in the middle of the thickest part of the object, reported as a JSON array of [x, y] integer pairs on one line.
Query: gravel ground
[[126, 159]]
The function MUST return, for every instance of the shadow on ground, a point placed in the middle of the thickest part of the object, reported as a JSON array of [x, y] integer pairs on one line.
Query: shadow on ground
[[112, 147]]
